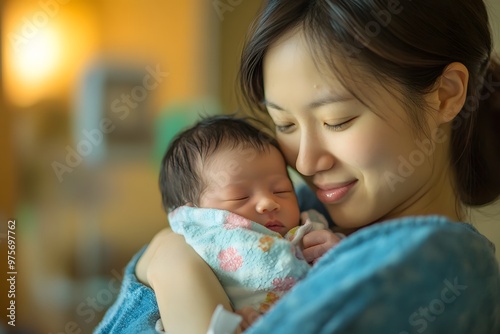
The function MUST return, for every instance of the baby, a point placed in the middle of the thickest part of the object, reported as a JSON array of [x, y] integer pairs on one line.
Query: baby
[[227, 190]]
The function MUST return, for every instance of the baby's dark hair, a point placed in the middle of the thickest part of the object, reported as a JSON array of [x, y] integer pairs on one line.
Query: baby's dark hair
[[181, 179]]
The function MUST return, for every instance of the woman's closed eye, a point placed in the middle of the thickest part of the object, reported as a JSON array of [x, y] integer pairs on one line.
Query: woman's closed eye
[[340, 126], [284, 128]]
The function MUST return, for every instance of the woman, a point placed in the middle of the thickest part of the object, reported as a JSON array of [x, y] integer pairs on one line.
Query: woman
[[388, 110]]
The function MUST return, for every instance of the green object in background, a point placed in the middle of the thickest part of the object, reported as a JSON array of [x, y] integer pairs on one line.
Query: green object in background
[[176, 117]]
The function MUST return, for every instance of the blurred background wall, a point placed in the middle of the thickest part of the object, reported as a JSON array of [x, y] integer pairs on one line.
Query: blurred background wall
[[91, 91]]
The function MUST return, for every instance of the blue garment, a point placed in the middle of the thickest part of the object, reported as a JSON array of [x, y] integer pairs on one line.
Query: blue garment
[[410, 275], [413, 275]]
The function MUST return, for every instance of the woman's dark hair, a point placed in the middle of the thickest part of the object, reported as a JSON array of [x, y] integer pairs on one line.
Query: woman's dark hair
[[407, 43], [181, 179]]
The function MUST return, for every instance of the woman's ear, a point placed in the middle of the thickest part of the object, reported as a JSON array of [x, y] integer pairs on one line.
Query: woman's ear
[[451, 91]]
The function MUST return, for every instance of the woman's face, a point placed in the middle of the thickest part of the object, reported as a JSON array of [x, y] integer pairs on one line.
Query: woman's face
[[364, 166]]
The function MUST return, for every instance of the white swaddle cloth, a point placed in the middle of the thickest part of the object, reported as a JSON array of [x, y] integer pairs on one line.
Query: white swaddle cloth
[[255, 265]]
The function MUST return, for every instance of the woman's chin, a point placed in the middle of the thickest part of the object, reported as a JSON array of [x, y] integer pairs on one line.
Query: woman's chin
[[348, 223]]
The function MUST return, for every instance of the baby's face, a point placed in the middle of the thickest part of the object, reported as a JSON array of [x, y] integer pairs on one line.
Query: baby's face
[[253, 185]]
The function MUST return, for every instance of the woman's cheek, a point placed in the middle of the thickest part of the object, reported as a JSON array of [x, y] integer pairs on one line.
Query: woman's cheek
[[365, 151]]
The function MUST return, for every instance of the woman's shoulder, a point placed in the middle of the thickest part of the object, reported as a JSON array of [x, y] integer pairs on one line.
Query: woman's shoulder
[[421, 231], [429, 243], [401, 276]]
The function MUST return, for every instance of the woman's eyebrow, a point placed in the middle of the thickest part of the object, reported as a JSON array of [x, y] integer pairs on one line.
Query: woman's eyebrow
[[314, 104], [328, 100], [272, 105]]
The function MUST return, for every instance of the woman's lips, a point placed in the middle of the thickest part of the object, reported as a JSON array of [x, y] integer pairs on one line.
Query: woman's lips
[[334, 193]]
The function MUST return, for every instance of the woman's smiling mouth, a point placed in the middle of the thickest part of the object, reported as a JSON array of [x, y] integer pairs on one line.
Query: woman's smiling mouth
[[332, 193]]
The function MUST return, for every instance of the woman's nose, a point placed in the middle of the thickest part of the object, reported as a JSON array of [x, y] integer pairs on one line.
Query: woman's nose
[[313, 155], [267, 204]]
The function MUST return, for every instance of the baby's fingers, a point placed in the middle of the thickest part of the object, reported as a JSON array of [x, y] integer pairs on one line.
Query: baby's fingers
[[314, 252]]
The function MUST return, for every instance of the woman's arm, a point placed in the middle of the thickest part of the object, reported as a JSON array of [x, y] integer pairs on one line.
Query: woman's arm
[[186, 289]]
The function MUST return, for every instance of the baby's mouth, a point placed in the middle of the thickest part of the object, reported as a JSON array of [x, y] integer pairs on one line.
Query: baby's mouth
[[274, 225]]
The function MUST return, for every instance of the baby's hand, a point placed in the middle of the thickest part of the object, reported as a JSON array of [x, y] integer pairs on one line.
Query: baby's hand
[[249, 316], [317, 243]]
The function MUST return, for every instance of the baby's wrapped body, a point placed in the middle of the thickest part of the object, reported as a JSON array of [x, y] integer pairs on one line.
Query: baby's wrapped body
[[254, 264]]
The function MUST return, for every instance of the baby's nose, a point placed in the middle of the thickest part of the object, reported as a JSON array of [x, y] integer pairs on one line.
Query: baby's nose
[[266, 205]]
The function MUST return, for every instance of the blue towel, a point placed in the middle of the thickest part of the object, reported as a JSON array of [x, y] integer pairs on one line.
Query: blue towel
[[410, 275]]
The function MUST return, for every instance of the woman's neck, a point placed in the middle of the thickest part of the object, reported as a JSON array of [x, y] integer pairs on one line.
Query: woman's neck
[[436, 198]]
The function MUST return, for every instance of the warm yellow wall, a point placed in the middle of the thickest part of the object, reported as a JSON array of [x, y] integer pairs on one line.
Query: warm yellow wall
[[168, 33], [45, 47], [175, 35], [233, 29], [494, 11]]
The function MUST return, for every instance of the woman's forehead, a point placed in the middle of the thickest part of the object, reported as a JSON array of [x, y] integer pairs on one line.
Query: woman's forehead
[[294, 77], [293, 55]]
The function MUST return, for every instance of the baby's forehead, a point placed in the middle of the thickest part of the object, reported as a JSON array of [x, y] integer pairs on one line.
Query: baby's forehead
[[238, 151], [237, 163]]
